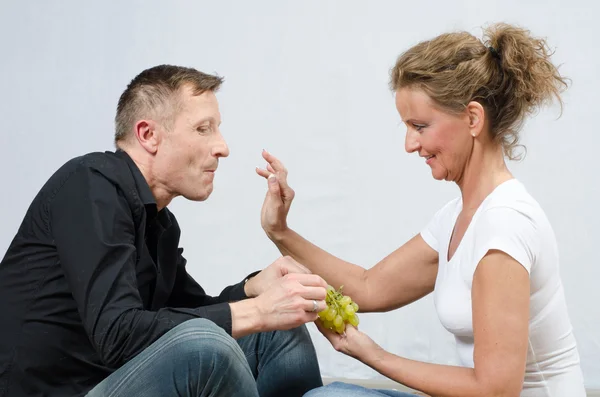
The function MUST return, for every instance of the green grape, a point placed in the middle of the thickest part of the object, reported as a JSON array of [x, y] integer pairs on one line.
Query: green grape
[[340, 311], [344, 315], [331, 313], [345, 301], [338, 321], [322, 314], [350, 310]]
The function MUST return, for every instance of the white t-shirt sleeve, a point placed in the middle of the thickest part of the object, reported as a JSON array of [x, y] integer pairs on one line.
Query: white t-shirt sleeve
[[429, 235], [510, 231], [438, 224]]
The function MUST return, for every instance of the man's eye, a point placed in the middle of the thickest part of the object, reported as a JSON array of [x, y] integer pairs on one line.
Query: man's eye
[[204, 129]]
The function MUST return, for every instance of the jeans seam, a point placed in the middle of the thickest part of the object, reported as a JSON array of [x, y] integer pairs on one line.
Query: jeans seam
[[254, 353]]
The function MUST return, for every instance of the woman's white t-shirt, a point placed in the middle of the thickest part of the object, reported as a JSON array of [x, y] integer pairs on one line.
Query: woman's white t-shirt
[[509, 220]]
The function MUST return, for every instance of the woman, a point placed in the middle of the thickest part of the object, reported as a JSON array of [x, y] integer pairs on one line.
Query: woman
[[490, 255]]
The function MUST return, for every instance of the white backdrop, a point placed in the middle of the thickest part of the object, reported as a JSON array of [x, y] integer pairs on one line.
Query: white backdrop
[[308, 82]]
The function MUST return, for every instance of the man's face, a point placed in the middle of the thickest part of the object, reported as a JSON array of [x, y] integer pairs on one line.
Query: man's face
[[188, 154]]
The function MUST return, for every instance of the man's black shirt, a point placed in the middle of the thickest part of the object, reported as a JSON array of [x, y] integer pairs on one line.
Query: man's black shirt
[[93, 276]]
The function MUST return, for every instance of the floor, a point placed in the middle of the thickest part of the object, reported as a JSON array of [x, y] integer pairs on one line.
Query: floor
[[388, 384]]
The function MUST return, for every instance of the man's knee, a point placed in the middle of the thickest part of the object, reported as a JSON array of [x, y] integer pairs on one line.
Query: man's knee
[[296, 335], [203, 339], [296, 341], [193, 355]]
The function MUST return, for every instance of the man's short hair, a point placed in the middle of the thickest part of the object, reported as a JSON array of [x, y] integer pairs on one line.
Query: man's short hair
[[154, 93]]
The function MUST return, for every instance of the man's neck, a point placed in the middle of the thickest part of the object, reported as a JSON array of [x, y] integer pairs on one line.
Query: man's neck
[[144, 163]]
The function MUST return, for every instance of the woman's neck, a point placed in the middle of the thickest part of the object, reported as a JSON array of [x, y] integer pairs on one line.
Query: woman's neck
[[484, 171]]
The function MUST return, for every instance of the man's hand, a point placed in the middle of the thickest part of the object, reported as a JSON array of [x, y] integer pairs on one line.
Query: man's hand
[[278, 269], [290, 301]]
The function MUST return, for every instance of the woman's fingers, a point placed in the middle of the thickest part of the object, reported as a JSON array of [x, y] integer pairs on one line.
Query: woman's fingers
[[274, 162], [262, 172]]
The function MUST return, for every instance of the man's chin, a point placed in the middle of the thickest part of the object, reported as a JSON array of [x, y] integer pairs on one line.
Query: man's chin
[[203, 197], [199, 196]]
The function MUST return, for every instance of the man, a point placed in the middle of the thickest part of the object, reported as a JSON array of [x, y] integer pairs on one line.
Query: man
[[94, 294]]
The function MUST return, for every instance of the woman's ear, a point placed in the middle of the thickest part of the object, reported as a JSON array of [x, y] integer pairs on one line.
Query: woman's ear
[[476, 114]]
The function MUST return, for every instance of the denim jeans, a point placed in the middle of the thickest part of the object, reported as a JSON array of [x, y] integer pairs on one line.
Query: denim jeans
[[198, 358], [339, 389]]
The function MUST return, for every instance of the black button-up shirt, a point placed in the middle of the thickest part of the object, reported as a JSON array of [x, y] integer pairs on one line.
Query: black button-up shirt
[[93, 276]]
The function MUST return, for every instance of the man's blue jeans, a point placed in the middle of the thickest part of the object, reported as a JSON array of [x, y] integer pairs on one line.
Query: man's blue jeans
[[198, 358]]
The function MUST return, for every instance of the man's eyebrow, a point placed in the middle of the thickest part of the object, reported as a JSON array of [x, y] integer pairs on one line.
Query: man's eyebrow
[[202, 120]]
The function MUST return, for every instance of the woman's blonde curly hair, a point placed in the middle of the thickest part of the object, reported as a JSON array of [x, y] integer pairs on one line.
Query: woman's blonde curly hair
[[509, 73]]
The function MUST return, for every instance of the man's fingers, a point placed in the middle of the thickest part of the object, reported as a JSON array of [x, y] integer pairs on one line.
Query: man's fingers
[[314, 293], [310, 317], [296, 268], [292, 266], [303, 268], [309, 305], [308, 280]]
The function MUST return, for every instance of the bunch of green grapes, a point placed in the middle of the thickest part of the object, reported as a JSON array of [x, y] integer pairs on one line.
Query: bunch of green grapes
[[340, 310]]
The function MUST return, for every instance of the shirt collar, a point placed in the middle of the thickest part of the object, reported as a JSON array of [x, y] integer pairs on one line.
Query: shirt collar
[[141, 185], [140, 182], [163, 216]]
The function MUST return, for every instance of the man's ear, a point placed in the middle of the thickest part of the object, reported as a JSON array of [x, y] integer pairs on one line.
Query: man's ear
[[147, 135]]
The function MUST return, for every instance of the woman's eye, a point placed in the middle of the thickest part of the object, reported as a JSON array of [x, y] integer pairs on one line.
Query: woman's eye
[[419, 127]]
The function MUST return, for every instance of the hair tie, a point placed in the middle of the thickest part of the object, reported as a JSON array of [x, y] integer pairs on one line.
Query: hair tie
[[495, 53]]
